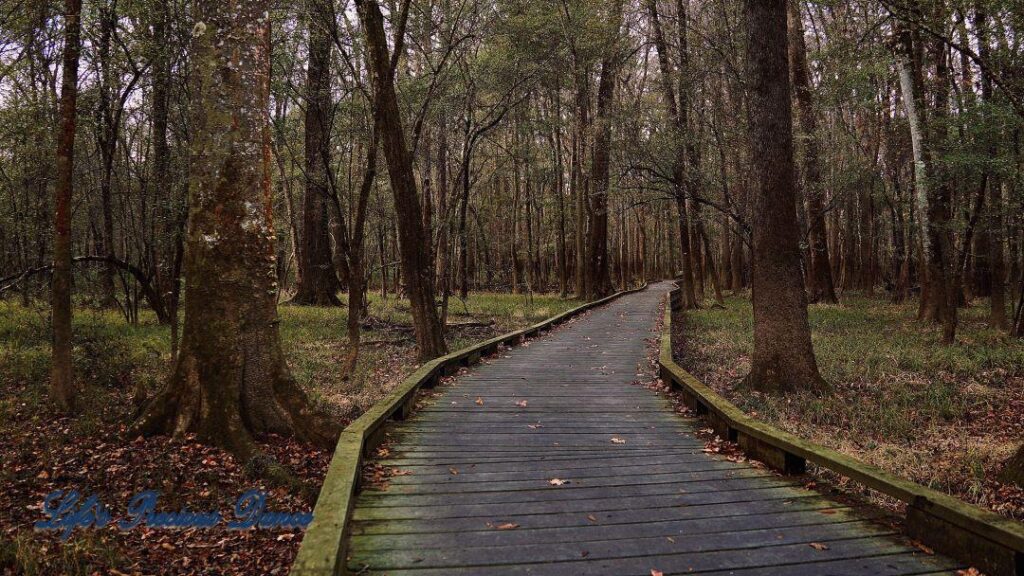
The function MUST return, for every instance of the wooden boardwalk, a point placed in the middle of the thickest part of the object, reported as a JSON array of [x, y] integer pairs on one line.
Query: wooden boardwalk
[[548, 460]]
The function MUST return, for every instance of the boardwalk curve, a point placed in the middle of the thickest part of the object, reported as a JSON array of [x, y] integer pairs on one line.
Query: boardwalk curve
[[549, 460]]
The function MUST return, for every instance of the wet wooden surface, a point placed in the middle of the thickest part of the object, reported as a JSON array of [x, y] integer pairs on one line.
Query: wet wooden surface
[[551, 459]]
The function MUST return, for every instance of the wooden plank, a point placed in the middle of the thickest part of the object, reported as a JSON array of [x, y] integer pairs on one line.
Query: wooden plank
[[584, 506], [653, 499], [483, 537], [736, 541], [872, 556], [635, 515]]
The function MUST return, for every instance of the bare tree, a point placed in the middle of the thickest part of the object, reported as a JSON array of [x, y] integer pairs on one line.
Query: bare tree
[[413, 242], [62, 383], [820, 286]]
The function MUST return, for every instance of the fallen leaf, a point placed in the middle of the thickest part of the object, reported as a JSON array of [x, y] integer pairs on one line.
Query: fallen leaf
[[479, 401], [617, 440], [656, 572], [507, 526], [453, 471], [591, 518], [557, 482], [920, 546], [818, 546], [521, 403]]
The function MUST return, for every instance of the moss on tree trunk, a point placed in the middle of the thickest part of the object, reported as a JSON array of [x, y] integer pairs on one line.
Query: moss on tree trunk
[[231, 380]]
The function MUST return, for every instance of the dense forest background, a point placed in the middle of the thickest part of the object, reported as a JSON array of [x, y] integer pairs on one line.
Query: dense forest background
[[190, 166], [505, 117]]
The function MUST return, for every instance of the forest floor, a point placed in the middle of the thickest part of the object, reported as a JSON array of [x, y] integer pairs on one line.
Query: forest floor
[[943, 416], [119, 365]]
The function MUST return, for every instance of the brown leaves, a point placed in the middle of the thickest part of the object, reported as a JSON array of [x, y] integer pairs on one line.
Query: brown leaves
[[617, 440], [818, 546], [507, 526], [521, 403], [479, 401]]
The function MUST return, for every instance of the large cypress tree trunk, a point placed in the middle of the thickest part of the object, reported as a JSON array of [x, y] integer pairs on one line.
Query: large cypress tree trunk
[[412, 241], [820, 286], [318, 283], [783, 357], [231, 380], [62, 385]]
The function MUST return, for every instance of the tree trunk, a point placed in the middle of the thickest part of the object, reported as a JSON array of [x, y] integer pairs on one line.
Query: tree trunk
[[820, 287], [356, 252], [679, 174], [783, 358], [578, 181], [560, 249], [62, 385], [318, 283], [231, 380], [598, 276], [419, 283], [1013, 471], [994, 229], [107, 143]]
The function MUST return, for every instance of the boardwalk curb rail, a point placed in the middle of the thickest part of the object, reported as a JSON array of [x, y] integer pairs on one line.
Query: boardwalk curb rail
[[323, 548], [979, 537]]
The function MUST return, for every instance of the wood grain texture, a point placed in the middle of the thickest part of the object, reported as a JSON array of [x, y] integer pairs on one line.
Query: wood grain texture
[[635, 490]]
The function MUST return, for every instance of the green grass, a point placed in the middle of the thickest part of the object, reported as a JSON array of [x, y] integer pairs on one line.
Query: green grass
[[111, 354], [943, 415]]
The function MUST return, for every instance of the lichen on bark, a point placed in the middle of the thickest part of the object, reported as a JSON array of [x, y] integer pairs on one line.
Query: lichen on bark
[[230, 381]]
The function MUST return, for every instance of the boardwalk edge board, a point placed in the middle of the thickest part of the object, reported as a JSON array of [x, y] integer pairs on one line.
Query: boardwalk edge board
[[323, 548], [979, 537]]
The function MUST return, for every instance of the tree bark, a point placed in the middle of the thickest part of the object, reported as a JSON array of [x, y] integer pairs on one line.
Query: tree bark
[[62, 385], [578, 181], [416, 268], [679, 174], [318, 282], [356, 255], [820, 287], [995, 227], [598, 276], [231, 381], [783, 358], [1013, 471]]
